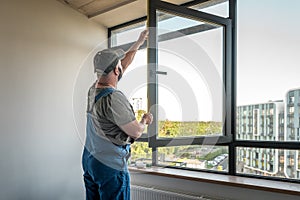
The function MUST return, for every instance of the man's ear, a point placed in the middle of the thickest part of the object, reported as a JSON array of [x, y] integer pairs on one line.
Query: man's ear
[[116, 70]]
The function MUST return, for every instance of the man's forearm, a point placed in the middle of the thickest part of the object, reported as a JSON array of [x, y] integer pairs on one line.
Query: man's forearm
[[129, 56]]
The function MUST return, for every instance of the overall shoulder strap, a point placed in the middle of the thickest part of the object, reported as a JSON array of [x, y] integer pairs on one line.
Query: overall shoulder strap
[[103, 93]]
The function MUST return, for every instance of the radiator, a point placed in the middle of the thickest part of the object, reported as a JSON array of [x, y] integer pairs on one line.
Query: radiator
[[144, 193]]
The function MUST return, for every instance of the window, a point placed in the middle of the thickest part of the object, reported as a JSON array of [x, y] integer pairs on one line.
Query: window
[[136, 85], [140, 153], [266, 162], [126, 34], [197, 125], [188, 96], [255, 122], [291, 98], [291, 110], [265, 72], [221, 9], [211, 7], [194, 157]]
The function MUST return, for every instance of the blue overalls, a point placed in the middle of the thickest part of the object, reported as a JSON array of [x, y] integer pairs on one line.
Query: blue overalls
[[106, 176]]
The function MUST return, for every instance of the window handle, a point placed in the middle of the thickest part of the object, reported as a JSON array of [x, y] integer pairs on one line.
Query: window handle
[[161, 73], [152, 73]]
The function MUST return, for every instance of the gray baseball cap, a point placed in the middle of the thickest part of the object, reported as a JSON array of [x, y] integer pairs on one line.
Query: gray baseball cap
[[106, 60]]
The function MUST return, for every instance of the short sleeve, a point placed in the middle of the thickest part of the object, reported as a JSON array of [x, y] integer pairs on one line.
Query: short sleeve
[[121, 110]]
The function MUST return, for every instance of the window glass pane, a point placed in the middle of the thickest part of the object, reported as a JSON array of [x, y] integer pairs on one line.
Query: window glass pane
[[268, 162], [190, 95], [194, 157], [214, 7], [169, 23], [134, 83], [141, 155], [135, 88], [135, 77], [127, 34], [268, 70]]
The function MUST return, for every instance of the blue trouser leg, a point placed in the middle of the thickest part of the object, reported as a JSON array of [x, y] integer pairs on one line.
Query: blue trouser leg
[[103, 182], [91, 188]]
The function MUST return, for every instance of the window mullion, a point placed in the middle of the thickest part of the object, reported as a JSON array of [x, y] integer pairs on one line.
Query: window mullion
[[152, 79]]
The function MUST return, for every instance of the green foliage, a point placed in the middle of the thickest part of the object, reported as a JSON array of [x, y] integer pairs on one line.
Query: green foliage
[[184, 129], [168, 128], [174, 129], [209, 166], [213, 154], [139, 114], [140, 150]]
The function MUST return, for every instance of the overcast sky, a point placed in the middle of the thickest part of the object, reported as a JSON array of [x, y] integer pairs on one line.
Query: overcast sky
[[268, 49]]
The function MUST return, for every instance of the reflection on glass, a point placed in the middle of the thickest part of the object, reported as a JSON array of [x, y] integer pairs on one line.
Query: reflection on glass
[[268, 162], [194, 157], [190, 96]]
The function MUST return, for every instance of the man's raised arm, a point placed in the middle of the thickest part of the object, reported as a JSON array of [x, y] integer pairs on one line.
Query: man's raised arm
[[127, 60]]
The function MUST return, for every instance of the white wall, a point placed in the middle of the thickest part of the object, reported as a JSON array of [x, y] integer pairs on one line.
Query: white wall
[[42, 45]]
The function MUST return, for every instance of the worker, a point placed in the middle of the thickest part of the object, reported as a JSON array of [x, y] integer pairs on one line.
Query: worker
[[111, 127]]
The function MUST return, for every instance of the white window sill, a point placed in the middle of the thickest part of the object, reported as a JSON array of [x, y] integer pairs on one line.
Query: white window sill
[[236, 181]]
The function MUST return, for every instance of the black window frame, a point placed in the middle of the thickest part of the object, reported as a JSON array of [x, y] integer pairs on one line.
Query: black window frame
[[230, 51]]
